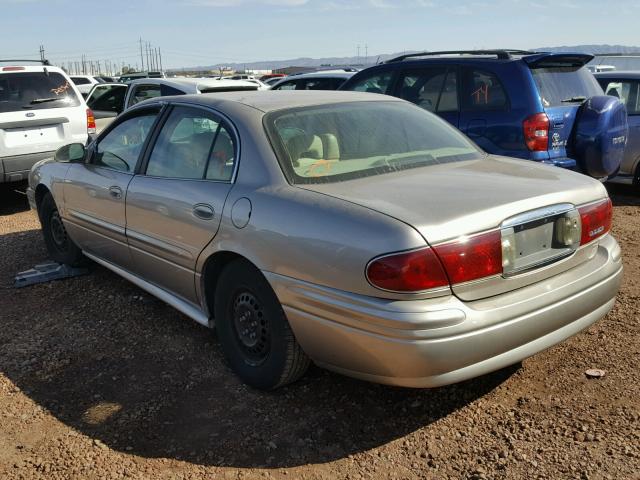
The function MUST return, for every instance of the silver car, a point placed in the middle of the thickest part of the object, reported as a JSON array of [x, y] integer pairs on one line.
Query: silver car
[[353, 230]]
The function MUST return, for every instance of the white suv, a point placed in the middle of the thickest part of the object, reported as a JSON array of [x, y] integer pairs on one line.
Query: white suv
[[40, 111]]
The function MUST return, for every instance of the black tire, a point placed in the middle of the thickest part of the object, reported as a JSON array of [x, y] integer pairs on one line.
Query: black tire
[[59, 245], [254, 333]]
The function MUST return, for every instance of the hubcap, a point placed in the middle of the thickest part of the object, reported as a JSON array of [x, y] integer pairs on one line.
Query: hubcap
[[251, 326], [58, 231]]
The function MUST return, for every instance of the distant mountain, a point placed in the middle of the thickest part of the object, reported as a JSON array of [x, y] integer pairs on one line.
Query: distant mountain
[[313, 63]]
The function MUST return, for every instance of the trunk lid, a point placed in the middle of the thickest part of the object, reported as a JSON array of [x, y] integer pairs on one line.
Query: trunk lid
[[447, 201]]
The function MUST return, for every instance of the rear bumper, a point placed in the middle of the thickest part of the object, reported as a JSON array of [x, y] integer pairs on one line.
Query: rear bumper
[[16, 168], [428, 343]]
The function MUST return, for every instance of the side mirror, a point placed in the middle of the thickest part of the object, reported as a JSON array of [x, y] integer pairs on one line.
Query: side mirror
[[73, 153]]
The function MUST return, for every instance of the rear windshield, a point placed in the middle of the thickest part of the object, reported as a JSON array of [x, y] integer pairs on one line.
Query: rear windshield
[[35, 91], [565, 85], [331, 143]]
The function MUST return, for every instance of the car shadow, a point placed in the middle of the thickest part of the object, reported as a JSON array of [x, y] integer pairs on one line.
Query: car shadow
[[138, 377], [623, 195], [13, 198]]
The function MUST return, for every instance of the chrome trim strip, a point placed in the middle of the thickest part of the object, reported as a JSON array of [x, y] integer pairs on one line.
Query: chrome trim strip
[[537, 214], [182, 306], [97, 222], [160, 244]]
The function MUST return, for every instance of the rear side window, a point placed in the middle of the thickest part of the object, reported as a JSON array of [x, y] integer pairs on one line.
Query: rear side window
[[565, 85], [628, 91], [193, 144], [166, 90], [482, 90], [34, 91], [376, 83], [107, 98], [80, 80]]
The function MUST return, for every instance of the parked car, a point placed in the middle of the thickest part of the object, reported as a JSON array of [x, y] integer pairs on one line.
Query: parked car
[[313, 81], [109, 100], [107, 79], [85, 83], [355, 230], [40, 110], [538, 106], [129, 77], [626, 87]]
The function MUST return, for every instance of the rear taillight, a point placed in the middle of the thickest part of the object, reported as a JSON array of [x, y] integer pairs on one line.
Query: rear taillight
[[471, 258], [596, 220], [407, 272], [91, 122], [12, 69], [463, 260], [536, 132]]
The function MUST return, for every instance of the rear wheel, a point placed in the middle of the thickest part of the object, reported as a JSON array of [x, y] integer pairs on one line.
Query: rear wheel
[[254, 332], [59, 245]]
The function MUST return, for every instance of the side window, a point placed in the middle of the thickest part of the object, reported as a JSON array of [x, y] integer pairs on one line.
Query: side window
[[291, 85], [107, 98], [321, 84], [193, 144], [144, 92], [121, 147], [628, 92], [377, 83], [166, 90], [422, 87], [449, 97], [482, 90]]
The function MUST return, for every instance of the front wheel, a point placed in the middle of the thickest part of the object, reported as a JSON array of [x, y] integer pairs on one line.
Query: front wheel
[[254, 332], [59, 245]]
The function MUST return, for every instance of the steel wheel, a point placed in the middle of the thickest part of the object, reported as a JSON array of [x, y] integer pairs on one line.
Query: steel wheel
[[58, 232], [251, 327]]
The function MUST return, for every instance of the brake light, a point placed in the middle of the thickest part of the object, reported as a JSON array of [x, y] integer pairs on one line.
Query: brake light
[[12, 69], [596, 220], [407, 272], [471, 258], [91, 122], [536, 132]]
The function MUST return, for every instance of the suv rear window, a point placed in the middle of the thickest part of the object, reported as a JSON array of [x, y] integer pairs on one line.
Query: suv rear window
[[564, 85], [35, 90]]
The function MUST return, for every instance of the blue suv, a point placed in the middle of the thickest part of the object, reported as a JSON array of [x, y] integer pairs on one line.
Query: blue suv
[[537, 106]]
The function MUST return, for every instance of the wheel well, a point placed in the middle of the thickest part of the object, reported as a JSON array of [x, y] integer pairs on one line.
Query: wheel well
[[213, 267], [41, 191]]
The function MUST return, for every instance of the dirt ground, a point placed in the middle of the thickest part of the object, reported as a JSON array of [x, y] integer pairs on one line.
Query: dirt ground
[[98, 380]]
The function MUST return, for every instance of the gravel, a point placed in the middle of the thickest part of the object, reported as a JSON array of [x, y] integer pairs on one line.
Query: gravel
[[98, 380]]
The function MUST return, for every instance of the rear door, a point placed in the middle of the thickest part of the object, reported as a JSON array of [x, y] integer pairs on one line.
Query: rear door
[[95, 191], [106, 101], [39, 112], [563, 85], [174, 205]]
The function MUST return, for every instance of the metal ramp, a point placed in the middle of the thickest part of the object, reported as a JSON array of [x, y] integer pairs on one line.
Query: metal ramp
[[46, 272]]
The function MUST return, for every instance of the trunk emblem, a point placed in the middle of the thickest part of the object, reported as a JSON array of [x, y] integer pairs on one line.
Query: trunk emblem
[[30, 114]]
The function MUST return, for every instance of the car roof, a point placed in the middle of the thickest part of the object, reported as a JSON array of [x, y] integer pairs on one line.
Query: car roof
[[193, 84], [321, 74], [628, 74], [272, 100]]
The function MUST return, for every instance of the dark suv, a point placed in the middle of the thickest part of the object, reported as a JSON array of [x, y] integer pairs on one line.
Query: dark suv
[[538, 106]]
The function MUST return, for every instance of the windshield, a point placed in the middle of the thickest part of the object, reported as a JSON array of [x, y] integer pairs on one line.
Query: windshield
[[565, 85], [330, 143], [35, 90]]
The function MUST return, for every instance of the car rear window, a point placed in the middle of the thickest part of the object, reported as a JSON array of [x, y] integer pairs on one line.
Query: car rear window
[[336, 142], [565, 85], [35, 90]]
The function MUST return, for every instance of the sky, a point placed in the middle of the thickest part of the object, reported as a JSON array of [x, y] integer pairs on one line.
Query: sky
[[216, 32]]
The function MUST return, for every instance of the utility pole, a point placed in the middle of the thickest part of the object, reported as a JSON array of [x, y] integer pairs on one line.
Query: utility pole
[[366, 53], [141, 57], [147, 52], [358, 56], [41, 53], [160, 52], [157, 59]]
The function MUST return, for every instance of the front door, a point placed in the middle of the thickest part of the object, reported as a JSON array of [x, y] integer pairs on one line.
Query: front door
[[174, 206], [95, 191]]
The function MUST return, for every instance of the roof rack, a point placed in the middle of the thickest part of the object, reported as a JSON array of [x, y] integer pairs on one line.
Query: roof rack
[[500, 54], [42, 62]]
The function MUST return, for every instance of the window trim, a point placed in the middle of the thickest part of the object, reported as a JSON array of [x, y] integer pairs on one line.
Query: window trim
[[224, 121], [133, 113], [465, 77]]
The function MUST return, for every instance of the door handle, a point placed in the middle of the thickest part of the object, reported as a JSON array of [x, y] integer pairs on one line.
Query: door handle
[[115, 192], [203, 211]]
